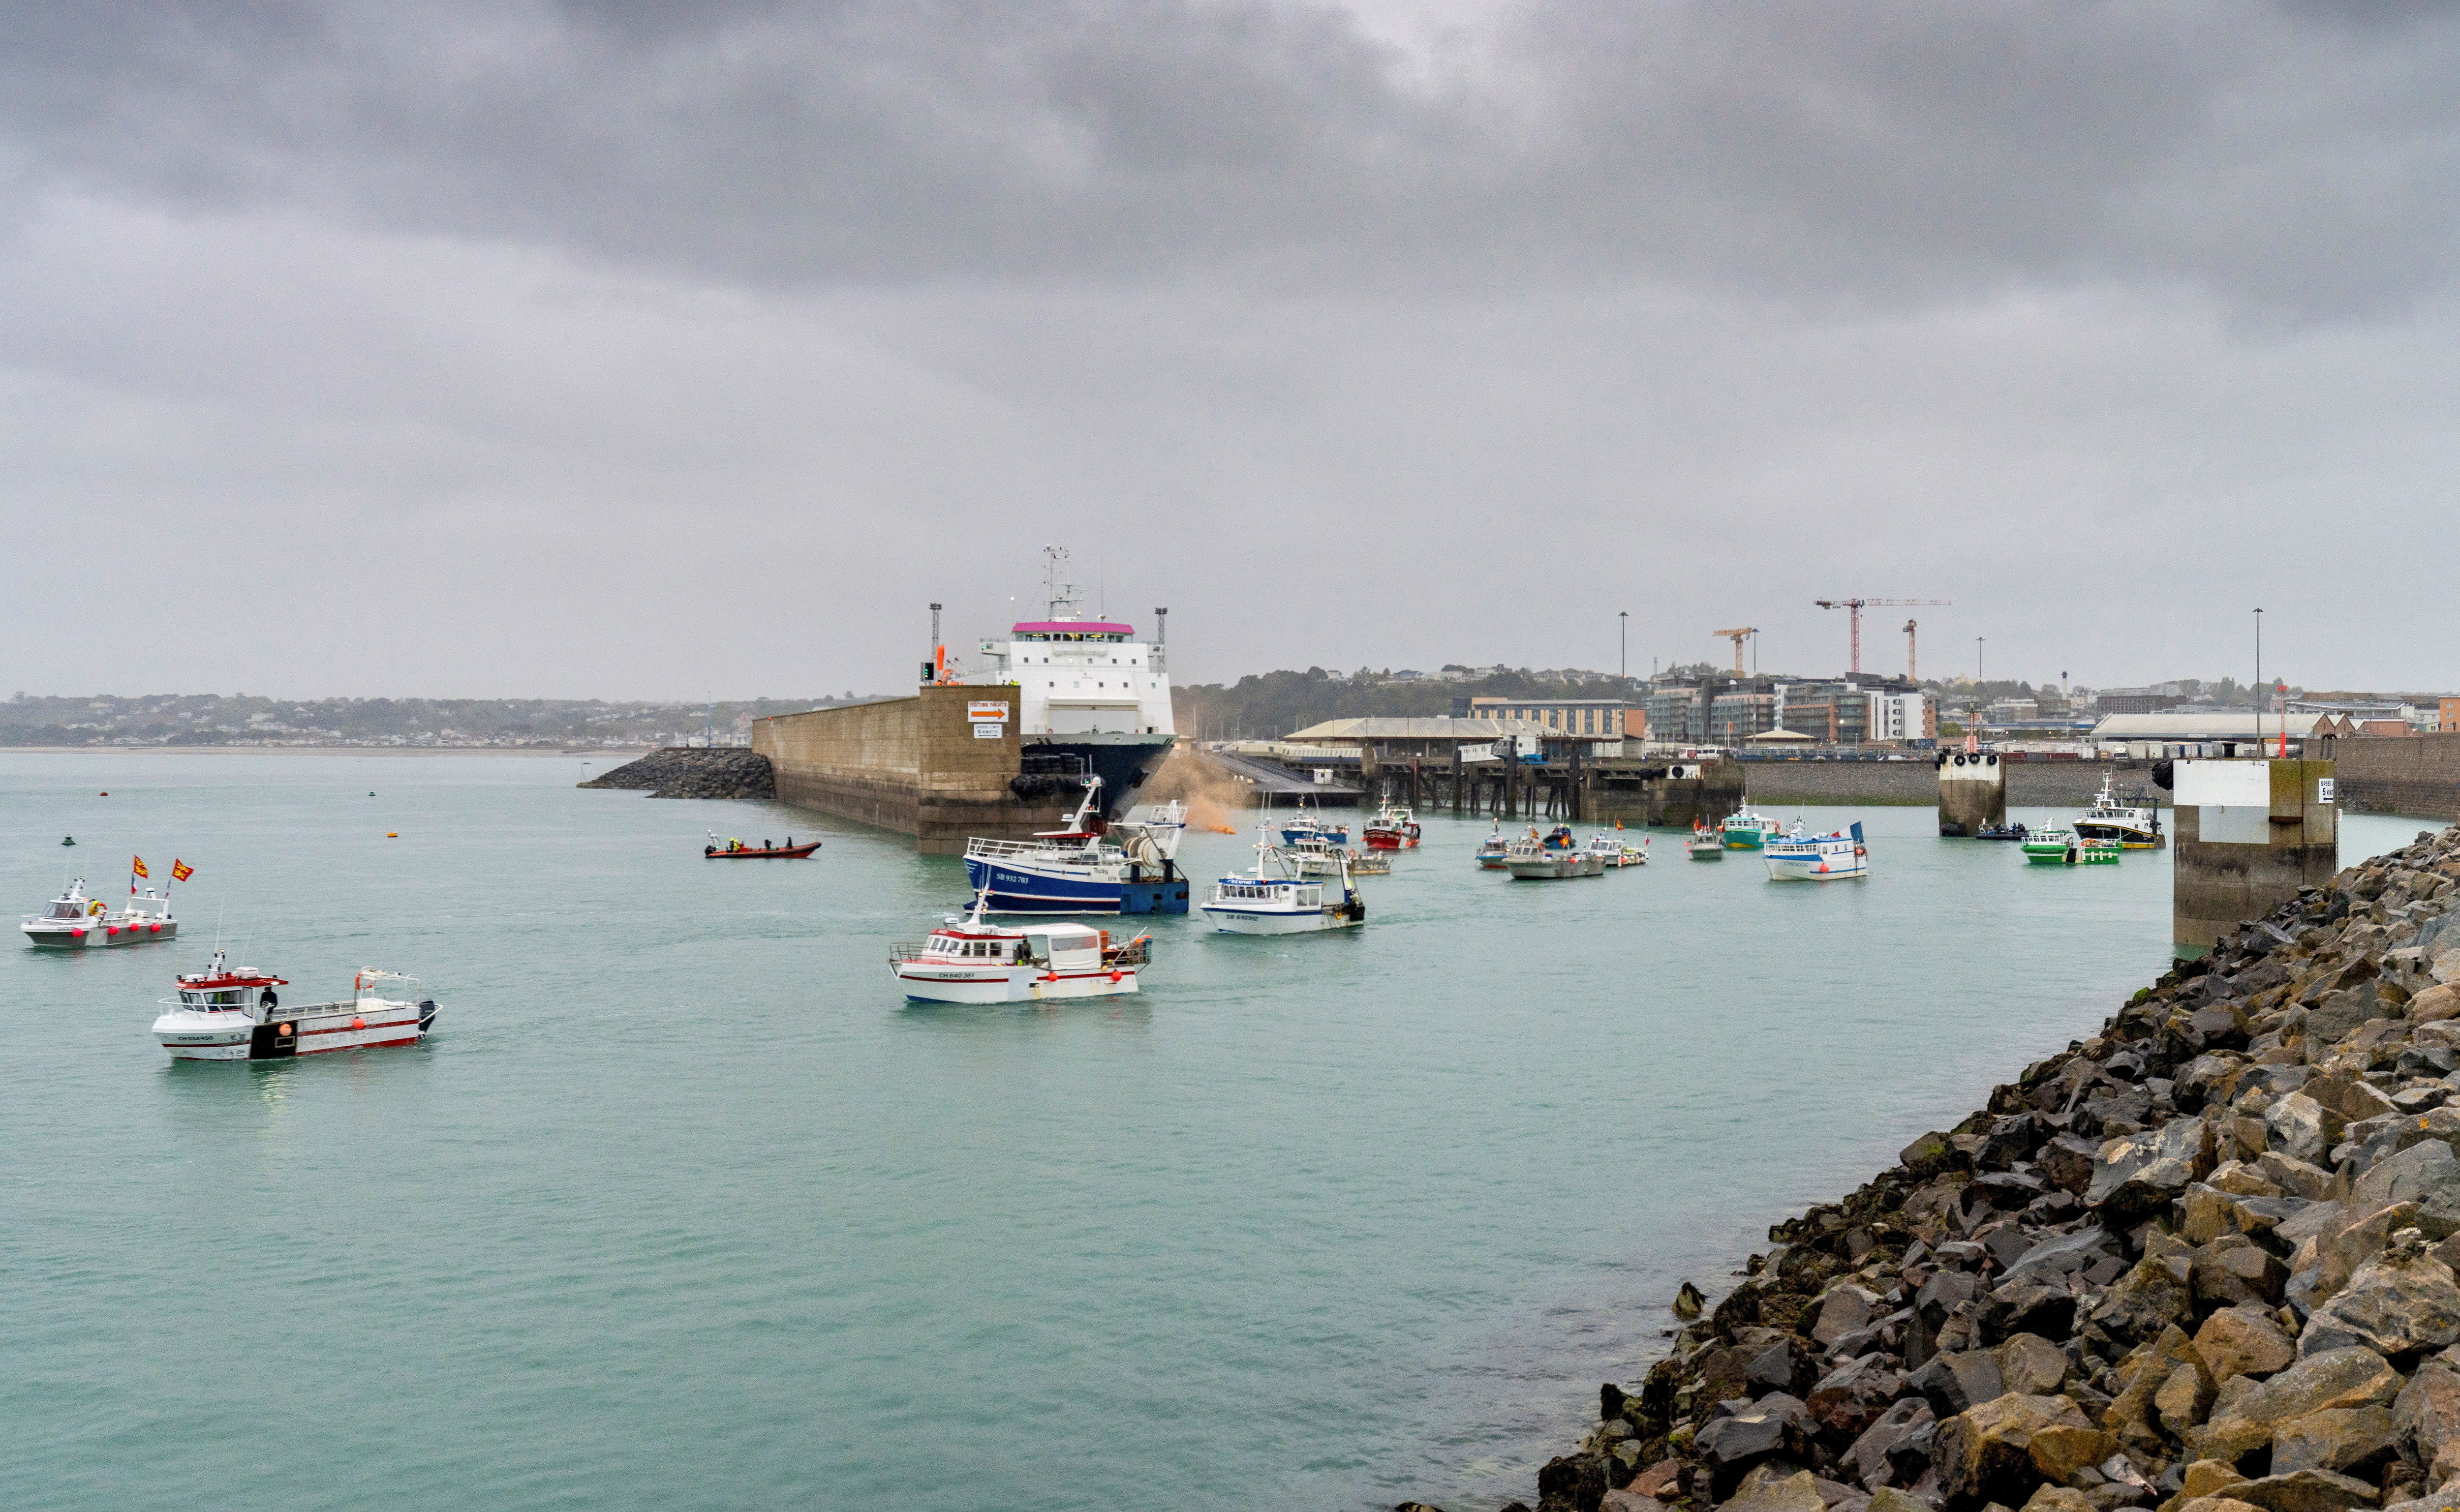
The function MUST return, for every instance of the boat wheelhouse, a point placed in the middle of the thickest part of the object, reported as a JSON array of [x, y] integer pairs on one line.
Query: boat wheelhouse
[[1309, 825], [75, 921], [1794, 856], [1706, 844], [232, 1012], [969, 960], [1552, 858]]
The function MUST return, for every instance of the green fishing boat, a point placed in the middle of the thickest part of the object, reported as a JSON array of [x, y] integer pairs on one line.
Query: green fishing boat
[[1746, 831]]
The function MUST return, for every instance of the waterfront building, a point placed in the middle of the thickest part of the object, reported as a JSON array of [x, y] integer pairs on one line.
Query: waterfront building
[[1601, 718]]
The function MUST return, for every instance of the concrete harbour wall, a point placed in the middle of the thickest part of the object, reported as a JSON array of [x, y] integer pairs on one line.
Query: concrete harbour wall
[[2031, 785], [2406, 774], [912, 765]]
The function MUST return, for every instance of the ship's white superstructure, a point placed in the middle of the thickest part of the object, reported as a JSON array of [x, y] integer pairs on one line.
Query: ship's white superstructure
[[1076, 676]]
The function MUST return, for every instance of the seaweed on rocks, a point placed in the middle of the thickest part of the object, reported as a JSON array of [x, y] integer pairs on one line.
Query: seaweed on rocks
[[2203, 1261]]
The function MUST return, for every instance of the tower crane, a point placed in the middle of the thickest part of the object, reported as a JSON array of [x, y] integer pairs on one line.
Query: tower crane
[[1855, 606], [1738, 637]]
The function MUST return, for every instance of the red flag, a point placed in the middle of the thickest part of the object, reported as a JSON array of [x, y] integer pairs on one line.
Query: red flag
[[137, 865], [181, 871]]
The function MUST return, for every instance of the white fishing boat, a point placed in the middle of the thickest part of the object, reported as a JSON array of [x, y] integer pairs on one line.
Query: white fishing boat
[[1609, 848], [232, 1012], [969, 961], [2132, 827], [1552, 858], [75, 921], [1274, 899], [1706, 844], [1311, 855], [1795, 856]]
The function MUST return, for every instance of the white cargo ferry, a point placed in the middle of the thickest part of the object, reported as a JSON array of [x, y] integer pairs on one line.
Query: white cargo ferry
[[232, 1012]]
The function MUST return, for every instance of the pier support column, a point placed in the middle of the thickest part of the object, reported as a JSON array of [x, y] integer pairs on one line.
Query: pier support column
[[2249, 834], [1972, 793]]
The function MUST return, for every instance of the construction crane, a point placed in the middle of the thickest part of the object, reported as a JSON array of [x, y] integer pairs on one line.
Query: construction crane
[[1738, 637], [1855, 606]]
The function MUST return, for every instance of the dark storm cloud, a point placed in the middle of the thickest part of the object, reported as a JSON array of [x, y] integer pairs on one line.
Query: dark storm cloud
[[2292, 161]]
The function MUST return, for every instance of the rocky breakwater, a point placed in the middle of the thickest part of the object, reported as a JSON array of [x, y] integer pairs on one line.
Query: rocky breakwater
[[692, 771], [2201, 1262]]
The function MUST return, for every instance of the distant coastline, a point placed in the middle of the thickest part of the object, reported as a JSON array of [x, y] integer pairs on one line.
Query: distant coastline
[[626, 752]]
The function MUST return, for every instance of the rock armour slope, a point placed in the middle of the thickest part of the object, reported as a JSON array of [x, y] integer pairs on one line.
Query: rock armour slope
[[695, 773], [2202, 1262]]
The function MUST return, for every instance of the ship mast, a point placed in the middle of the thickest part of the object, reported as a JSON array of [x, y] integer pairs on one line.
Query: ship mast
[[1060, 598]]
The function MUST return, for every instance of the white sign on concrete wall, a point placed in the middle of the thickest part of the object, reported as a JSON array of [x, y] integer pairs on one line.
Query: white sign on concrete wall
[[987, 731], [981, 709], [2230, 783], [2324, 789]]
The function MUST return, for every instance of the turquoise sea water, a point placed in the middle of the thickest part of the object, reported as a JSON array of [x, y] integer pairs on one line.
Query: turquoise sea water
[[681, 1207]]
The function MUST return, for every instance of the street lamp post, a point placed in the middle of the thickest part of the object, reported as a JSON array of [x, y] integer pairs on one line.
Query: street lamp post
[[1623, 633], [2257, 689]]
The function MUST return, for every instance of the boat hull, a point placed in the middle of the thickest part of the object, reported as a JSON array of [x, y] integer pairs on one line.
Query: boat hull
[[88, 937], [366, 1025], [935, 982], [1707, 853], [1823, 864], [1032, 889], [1553, 867], [1229, 921], [1390, 840]]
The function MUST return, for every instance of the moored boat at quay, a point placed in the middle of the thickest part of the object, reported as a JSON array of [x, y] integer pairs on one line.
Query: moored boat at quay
[[1493, 850], [75, 921], [1746, 831], [1392, 829], [232, 1012], [2132, 827], [1795, 856]]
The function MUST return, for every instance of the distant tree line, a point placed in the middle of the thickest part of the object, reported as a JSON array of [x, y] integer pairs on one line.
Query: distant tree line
[[241, 718], [1261, 706]]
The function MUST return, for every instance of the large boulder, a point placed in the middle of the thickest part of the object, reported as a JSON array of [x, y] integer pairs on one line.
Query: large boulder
[[2062, 1254], [1986, 1455], [2427, 1174], [1869, 1454], [2305, 1491], [2244, 1341], [2140, 1173], [2401, 1302], [1849, 1398], [2340, 1378], [1956, 1381], [2154, 1295], [1843, 1311], [2302, 1128], [2031, 1365], [1774, 1424], [1572, 1483], [2428, 1415], [1798, 1492], [2353, 1441]]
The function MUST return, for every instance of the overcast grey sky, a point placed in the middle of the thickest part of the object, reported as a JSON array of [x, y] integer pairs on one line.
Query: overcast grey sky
[[630, 348]]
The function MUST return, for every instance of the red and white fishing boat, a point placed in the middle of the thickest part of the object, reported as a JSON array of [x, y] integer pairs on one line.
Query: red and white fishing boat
[[232, 1012], [1392, 829], [969, 961]]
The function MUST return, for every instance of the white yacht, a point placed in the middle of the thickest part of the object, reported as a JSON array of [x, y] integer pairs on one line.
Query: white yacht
[[75, 921]]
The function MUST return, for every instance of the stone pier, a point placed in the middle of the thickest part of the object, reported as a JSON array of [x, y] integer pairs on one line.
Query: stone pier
[[2250, 834], [1972, 793]]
